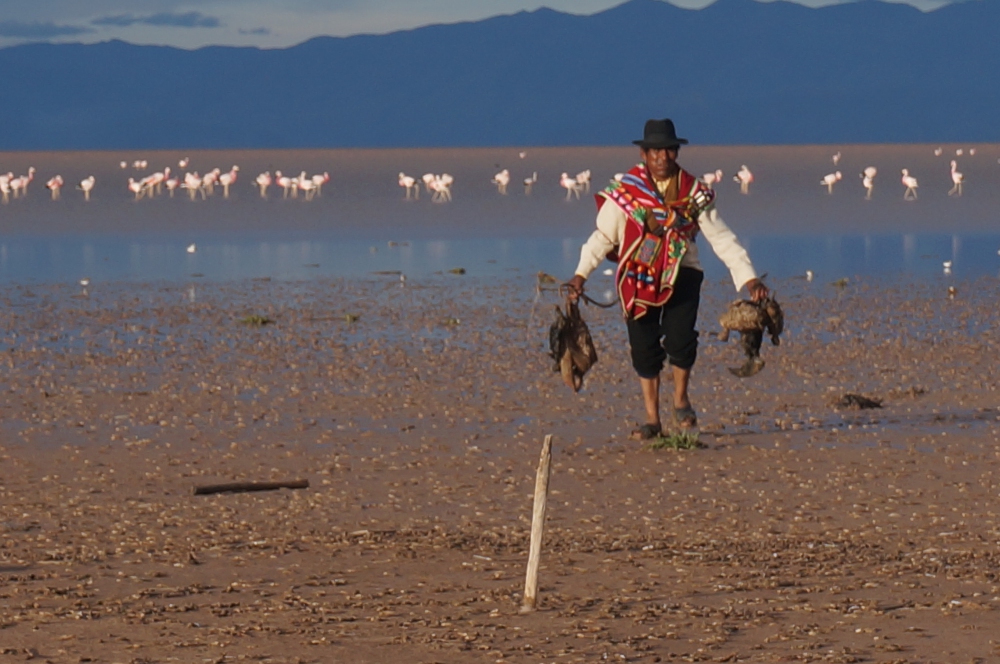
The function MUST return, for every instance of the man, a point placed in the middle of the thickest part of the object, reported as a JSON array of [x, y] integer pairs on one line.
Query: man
[[648, 222]]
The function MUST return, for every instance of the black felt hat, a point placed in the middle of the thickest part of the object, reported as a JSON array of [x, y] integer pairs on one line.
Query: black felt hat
[[660, 134]]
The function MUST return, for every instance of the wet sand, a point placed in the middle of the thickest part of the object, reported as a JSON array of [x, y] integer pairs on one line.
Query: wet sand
[[800, 532]]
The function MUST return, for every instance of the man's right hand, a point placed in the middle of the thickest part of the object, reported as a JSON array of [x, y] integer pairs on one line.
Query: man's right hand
[[576, 287]]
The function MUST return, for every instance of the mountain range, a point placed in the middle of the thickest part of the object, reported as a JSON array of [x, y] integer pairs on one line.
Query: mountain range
[[735, 72]]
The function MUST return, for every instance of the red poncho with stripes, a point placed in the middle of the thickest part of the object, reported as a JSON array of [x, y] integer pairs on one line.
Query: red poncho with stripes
[[657, 234]]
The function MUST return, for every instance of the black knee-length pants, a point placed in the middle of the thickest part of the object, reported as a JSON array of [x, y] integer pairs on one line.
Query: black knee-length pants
[[668, 332]]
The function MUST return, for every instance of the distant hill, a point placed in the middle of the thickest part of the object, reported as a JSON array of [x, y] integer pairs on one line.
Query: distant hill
[[736, 72]]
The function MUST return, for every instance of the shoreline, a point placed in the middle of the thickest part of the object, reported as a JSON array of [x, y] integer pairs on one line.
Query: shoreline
[[799, 528]]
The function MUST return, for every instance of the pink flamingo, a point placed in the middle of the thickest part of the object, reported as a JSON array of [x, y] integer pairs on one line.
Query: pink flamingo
[[283, 181], [529, 183], [86, 186], [868, 180], [830, 180], [583, 179], [5, 179], [171, 184], [501, 180], [711, 178], [319, 181], [264, 181], [19, 185], [571, 186], [226, 179], [911, 185], [956, 179], [54, 184], [137, 187], [410, 183], [208, 181], [744, 177], [192, 182]]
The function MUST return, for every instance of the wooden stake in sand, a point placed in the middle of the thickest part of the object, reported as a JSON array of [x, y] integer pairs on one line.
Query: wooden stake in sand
[[249, 486], [537, 526]]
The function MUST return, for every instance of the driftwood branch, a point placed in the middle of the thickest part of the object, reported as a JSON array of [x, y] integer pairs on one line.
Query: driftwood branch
[[235, 487]]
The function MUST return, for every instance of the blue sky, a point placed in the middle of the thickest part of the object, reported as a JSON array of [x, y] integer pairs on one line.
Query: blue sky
[[264, 23]]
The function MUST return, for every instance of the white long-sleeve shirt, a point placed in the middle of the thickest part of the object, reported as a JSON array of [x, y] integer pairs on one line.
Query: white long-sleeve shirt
[[610, 233]]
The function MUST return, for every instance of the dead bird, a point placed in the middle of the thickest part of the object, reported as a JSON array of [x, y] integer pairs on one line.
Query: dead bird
[[857, 402], [751, 320], [571, 346]]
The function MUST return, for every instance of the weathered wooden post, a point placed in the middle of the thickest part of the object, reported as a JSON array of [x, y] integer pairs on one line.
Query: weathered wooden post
[[537, 526]]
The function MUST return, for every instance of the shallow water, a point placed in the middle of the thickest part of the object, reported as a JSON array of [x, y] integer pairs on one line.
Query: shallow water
[[362, 222], [67, 260]]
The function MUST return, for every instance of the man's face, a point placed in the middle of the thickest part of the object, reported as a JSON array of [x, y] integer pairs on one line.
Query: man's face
[[661, 162]]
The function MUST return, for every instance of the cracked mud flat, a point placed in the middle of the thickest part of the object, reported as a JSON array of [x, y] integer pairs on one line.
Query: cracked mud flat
[[801, 533]]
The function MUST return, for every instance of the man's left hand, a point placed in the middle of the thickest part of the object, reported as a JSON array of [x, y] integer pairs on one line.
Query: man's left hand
[[758, 291]]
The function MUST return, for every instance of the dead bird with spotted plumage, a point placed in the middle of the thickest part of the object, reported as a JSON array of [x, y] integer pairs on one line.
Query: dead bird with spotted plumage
[[571, 345], [751, 320]]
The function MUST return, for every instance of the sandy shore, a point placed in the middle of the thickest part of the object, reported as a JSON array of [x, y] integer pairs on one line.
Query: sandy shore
[[801, 532]]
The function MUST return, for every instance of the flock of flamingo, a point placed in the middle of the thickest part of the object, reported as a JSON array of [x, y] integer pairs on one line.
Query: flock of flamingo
[[154, 184], [437, 185]]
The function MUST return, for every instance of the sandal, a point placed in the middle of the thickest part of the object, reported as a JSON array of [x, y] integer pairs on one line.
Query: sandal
[[646, 432], [686, 418]]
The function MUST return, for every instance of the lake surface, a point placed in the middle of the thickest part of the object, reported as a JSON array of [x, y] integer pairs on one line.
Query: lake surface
[[58, 260], [363, 224]]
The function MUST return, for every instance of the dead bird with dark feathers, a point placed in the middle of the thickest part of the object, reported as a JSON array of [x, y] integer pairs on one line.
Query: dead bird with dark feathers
[[571, 346], [751, 320]]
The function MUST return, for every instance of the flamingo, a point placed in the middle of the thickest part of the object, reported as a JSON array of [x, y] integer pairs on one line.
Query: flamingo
[[444, 185], [123, 165], [140, 164], [427, 179], [711, 178], [286, 183], [911, 185], [208, 181], [529, 183], [306, 185], [171, 184], [956, 179], [5, 179], [86, 186], [54, 184], [183, 163], [570, 184], [319, 181], [972, 152], [264, 181], [441, 186], [959, 152], [226, 179], [410, 183], [192, 182], [583, 179], [744, 177], [836, 158], [868, 180], [938, 151], [501, 180], [831, 179], [137, 188], [19, 185], [154, 182]]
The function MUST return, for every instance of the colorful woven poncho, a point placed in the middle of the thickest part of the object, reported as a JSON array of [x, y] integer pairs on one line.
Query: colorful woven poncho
[[657, 234]]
